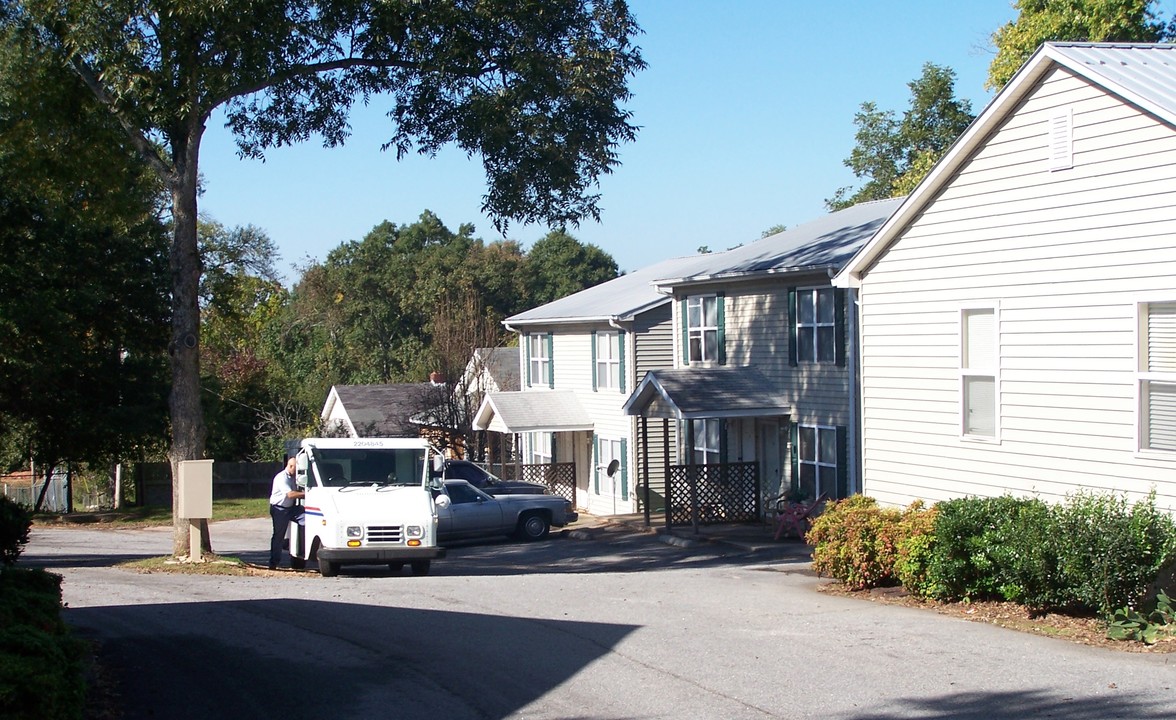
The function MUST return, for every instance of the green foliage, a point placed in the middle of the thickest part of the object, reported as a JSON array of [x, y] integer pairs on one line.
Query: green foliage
[[1108, 551], [15, 521], [915, 549], [894, 155], [559, 265], [1129, 624], [1039, 21], [40, 660], [856, 542]]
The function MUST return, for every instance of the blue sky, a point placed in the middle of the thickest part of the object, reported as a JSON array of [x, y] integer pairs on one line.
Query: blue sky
[[746, 112]]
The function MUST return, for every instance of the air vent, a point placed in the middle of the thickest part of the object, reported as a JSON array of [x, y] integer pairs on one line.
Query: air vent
[[1061, 140]]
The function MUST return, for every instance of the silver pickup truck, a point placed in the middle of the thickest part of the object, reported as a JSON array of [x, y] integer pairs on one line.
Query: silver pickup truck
[[472, 513]]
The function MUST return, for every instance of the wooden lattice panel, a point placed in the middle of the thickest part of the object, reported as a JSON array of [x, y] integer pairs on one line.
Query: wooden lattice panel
[[727, 493]]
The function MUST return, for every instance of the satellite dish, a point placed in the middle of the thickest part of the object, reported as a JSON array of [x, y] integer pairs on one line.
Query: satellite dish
[[613, 467]]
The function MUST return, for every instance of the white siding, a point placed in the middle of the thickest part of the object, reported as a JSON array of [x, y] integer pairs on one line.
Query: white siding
[[1065, 256]]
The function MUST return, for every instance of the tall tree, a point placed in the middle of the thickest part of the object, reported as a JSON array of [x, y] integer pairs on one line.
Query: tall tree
[[533, 88], [559, 264], [1039, 21], [893, 155], [83, 306]]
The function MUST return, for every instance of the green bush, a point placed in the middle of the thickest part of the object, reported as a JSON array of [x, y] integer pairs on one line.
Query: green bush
[[15, 521], [40, 660], [915, 548], [1109, 552], [856, 542]]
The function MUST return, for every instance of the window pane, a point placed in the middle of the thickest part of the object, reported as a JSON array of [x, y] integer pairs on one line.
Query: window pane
[[826, 480], [804, 344], [614, 375], [712, 434], [980, 405], [808, 480], [827, 447], [693, 313], [1160, 415], [808, 443], [825, 305], [979, 346], [1161, 337], [825, 337], [695, 349], [804, 304], [712, 345], [711, 317]]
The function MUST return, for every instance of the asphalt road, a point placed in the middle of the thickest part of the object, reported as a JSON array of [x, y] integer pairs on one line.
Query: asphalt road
[[616, 626]]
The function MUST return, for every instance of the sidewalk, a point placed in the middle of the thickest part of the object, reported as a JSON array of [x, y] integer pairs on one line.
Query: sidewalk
[[747, 537]]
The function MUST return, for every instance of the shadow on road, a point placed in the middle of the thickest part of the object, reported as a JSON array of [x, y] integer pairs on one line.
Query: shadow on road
[[291, 658]]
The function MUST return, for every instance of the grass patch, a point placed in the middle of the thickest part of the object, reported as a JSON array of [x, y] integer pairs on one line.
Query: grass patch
[[212, 565], [158, 516]]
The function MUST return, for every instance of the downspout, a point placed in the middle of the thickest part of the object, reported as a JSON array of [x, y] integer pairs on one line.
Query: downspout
[[853, 367]]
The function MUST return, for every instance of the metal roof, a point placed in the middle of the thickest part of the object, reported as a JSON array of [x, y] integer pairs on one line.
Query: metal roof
[[618, 299], [1140, 72], [826, 243]]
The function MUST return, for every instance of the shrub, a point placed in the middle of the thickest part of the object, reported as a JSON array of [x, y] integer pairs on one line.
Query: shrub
[[980, 549], [15, 521], [856, 542], [40, 660], [917, 543], [1108, 552]]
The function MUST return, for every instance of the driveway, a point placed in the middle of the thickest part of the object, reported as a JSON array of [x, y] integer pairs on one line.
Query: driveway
[[612, 625]]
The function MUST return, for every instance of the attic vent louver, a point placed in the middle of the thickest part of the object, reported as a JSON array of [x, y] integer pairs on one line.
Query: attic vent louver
[[1061, 140]]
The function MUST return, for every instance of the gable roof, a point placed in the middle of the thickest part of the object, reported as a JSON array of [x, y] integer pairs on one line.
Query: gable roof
[[711, 392], [535, 411], [822, 244], [501, 364], [1142, 74], [619, 299], [382, 410]]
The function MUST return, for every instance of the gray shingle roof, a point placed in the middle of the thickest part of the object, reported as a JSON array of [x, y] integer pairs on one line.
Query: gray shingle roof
[[385, 410], [502, 364], [621, 298], [825, 243], [532, 411], [715, 392]]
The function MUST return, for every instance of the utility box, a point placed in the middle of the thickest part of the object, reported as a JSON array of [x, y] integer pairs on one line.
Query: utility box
[[195, 489]]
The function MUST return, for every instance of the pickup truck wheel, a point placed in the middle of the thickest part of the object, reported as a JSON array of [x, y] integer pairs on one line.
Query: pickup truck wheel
[[533, 526], [328, 568], [396, 567], [421, 567]]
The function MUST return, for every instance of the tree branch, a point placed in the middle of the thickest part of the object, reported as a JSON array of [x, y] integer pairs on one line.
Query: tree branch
[[145, 147]]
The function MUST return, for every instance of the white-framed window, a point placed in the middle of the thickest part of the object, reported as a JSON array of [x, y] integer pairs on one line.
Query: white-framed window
[[539, 360], [702, 328], [608, 360], [816, 326], [1156, 376], [539, 444], [978, 373], [816, 455], [707, 441]]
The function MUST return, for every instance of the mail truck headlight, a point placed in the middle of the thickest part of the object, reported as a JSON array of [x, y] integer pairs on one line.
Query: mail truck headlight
[[414, 531], [354, 531]]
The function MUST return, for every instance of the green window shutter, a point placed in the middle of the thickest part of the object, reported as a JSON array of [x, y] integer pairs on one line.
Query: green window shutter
[[595, 463], [685, 332], [624, 468], [721, 321], [792, 327], [839, 326], [621, 356], [527, 359], [794, 441], [551, 360], [842, 461], [594, 361]]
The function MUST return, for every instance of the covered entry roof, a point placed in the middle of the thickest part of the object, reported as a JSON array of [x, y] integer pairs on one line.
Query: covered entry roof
[[718, 392], [532, 411]]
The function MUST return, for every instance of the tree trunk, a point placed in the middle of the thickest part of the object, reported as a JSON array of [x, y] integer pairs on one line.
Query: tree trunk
[[187, 414]]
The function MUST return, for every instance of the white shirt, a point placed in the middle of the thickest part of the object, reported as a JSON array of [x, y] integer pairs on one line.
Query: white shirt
[[283, 483]]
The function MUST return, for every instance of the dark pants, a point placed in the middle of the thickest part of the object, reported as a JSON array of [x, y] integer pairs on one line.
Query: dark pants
[[282, 517]]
